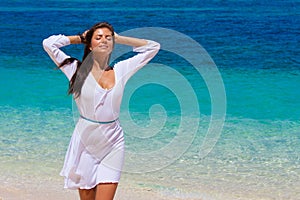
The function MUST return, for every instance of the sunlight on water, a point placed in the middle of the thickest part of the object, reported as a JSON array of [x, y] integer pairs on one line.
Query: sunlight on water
[[248, 152], [256, 49]]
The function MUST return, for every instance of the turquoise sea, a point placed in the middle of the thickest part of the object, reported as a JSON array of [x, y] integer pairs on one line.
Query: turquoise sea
[[169, 108]]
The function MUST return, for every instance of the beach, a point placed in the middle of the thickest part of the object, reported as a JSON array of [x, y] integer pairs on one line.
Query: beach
[[237, 168], [215, 115], [48, 192], [121, 194], [51, 187]]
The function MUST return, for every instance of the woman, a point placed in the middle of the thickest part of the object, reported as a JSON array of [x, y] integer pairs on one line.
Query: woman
[[95, 155]]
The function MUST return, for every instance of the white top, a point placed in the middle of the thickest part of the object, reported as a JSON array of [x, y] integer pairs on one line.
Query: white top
[[96, 151], [106, 102]]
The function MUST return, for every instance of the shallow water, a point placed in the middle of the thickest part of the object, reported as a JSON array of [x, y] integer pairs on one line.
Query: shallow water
[[256, 50]]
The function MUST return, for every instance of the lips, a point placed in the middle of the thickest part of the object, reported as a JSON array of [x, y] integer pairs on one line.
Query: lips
[[103, 46]]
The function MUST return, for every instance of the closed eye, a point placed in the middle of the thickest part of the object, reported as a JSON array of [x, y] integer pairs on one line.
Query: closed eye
[[108, 37]]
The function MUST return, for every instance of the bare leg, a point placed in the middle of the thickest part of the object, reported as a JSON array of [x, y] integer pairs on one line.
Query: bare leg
[[106, 191], [87, 194]]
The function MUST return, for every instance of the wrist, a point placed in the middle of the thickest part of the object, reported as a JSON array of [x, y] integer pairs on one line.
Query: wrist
[[74, 39], [81, 38], [116, 37]]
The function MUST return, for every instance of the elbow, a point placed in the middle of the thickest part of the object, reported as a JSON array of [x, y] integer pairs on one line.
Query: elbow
[[154, 44], [156, 47], [46, 44]]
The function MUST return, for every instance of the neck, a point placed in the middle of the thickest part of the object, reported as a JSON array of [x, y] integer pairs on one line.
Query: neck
[[101, 64], [97, 66]]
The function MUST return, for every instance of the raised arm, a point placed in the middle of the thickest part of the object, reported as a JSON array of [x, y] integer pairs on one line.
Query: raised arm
[[145, 49], [130, 41], [74, 39], [52, 46], [78, 39]]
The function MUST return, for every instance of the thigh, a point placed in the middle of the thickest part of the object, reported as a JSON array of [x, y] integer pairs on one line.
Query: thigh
[[87, 194], [106, 191]]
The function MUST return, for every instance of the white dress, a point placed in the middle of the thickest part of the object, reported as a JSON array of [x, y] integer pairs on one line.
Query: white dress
[[96, 150]]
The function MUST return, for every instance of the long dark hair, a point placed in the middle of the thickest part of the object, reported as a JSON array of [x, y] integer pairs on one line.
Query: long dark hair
[[81, 73]]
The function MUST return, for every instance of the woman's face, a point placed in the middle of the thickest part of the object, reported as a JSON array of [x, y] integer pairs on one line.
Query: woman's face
[[102, 41]]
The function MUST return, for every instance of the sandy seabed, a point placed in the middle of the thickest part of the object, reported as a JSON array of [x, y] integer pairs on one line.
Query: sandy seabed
[[53, 189], [123, 193]]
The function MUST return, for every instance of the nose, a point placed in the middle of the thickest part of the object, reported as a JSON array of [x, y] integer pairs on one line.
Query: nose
[[103, 39]]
